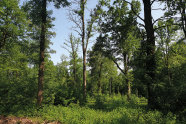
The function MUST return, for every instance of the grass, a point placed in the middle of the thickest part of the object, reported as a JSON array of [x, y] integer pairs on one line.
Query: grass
[[101, 110]]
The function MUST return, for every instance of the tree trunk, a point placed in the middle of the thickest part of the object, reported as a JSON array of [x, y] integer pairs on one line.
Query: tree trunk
[[99, 81], [150, 49], [126, 76], [129, 90], [110, 88], [74, 71], [84, 76], [183, 15], [82, 6], [41, 57], [166, 56]]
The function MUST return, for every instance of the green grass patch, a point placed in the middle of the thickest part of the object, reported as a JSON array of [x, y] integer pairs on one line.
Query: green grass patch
[[112, 110]]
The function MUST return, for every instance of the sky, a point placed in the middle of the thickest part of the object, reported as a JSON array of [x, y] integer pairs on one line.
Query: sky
[[63, 28]]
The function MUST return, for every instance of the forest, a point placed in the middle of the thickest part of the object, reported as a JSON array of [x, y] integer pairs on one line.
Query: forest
[[134, 73]]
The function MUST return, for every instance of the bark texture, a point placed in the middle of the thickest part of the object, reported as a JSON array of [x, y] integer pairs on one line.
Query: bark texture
[[82, 6], [150, 49], [41, 54]]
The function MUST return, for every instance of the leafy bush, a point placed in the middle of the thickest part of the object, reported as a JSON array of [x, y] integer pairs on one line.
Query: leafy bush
[[99, 104]]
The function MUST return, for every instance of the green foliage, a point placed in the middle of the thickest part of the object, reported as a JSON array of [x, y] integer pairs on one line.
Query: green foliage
[[121, 112], [102, 72], [13, 23], [99, 104], [119, 42]]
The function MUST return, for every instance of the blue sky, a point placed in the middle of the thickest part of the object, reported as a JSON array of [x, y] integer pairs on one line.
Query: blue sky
[[63, 27]]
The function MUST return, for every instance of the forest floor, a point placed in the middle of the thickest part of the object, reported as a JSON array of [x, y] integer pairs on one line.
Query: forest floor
[[99, 110], [22, 120]]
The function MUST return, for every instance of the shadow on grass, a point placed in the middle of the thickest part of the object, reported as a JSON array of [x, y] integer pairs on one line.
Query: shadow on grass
[[108, 104]]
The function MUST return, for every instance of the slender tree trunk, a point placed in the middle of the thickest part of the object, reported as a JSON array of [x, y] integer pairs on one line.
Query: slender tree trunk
[[84, 76], [150, 49], [74, 56], [136, 92], [42, 52], [99, 81], [82, 6], [166, 56], [74, 64], [129, 90], [110, 88], [74, 71], [183, 15], [126, 76]]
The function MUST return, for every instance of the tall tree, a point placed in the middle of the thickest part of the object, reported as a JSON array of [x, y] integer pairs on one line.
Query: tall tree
[[150, 50], [119, 44], [165, 35], [12, 22], [103, 73], [58, 3], [14, 70], [95, 56], [73, 44], [41, 18], [149, 47], [84, 30], [42, 52]]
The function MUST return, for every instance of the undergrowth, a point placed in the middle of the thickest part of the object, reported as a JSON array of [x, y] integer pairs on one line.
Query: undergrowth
[[100, 110]]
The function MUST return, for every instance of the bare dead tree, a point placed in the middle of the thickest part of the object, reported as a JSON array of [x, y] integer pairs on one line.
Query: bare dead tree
[[84, 29]]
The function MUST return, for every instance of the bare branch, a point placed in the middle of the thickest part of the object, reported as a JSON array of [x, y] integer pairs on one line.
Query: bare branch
[[66, 49], [152, 2], [159, 9], [76, 21], [80, 34], [141, 25], [90, 26], [115, 62], [161, 18]]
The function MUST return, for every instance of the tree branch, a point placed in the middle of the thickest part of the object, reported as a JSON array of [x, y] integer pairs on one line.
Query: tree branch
[[141, 25], [134, 11], [152, 2], [165, 26], [159, 9], [118, 66]]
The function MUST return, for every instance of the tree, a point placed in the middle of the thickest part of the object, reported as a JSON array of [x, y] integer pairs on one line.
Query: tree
[[103, 74], [95, 56], [73, 44], [15, 73], [165, 35], [13, 23], [176, 8], [43, 21], [119, 44], [96, 69], [84, 30], [42, 51], [150, 50]]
